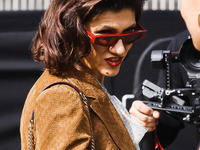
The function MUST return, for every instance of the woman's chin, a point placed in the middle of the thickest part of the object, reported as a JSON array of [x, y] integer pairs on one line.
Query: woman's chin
[[111, 73]]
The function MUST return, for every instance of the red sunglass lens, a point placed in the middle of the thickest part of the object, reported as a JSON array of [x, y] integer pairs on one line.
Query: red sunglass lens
[[131, 38], [103, 41], [112, 40], [106, 41]]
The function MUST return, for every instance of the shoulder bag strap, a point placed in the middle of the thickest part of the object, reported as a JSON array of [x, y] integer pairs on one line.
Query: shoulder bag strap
[[31, 145]]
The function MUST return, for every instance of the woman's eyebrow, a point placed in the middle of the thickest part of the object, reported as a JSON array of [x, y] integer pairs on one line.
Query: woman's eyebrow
[[112, 28], [132, 26], [105, 27]]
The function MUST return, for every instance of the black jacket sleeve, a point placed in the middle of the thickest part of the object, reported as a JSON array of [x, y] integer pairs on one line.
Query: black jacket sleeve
[[169, 126]]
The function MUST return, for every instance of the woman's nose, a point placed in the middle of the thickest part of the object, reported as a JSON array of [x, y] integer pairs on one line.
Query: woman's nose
[[118, 48]]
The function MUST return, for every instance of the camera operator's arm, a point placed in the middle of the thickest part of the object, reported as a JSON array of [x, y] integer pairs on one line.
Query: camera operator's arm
[[168, 126], [145, 115]]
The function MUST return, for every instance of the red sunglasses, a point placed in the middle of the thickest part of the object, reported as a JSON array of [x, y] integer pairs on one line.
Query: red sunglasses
[[112, 39]]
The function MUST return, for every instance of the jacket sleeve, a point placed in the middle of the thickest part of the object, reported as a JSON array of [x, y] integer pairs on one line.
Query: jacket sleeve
[[169, 126], [61, 120]]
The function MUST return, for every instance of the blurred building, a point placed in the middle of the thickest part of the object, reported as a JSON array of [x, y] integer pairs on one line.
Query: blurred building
[[43, 4]]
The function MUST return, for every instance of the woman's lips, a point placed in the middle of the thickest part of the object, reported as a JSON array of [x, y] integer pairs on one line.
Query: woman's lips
[[116, 61]]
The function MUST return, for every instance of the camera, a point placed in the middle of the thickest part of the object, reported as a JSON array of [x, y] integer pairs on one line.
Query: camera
[[169, 99]]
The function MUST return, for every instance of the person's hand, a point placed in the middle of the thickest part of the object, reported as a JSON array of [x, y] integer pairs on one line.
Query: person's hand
[[144, 115]]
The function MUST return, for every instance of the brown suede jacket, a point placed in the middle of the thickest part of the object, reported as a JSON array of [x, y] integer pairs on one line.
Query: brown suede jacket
[[61, 119]]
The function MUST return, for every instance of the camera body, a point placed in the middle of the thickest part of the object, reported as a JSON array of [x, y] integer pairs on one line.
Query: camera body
[[172, 100]]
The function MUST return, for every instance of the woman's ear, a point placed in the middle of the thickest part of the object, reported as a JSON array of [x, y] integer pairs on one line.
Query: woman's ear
[[199, 18]]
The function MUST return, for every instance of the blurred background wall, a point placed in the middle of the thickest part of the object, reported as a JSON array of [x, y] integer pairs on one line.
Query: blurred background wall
[[19, 20], [9, 5]]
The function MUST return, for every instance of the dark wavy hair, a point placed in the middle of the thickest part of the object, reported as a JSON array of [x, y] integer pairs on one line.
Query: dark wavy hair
[[61, 40]]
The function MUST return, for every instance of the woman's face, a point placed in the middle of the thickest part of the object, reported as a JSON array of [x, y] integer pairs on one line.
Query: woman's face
[[190, 10], [106, 60]]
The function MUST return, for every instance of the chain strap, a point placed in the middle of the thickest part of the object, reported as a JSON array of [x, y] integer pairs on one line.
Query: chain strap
[[31, 144], [85, 101]]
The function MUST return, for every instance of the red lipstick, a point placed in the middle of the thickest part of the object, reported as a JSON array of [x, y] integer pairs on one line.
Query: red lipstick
[[114, 61]]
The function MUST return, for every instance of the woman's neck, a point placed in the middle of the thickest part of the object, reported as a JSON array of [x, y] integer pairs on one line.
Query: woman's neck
[[97, 76]]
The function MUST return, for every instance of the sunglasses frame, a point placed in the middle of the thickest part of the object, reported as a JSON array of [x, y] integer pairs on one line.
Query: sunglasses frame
[[94, 38]]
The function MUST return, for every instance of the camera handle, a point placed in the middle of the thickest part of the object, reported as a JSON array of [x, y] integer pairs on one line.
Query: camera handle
[[160, 102], [152, 91]]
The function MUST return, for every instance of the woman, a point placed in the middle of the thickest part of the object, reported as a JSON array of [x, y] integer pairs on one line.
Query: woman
[[190, 11], [81, 42]]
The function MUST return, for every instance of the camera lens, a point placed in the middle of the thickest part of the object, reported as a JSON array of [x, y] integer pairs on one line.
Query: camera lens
[[190, 57]]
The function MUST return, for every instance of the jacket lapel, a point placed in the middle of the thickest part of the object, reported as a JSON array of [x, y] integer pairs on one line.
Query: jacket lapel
[[115, 126]]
